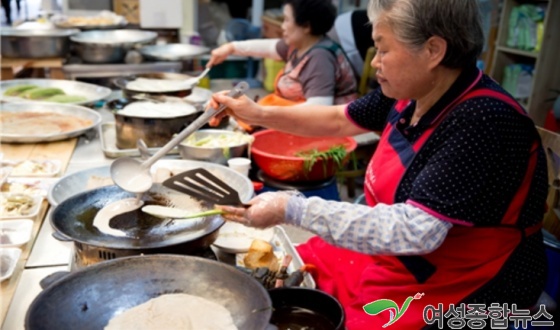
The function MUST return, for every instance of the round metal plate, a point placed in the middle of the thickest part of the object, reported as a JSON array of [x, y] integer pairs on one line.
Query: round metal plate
[[92, 93], [63, 109]]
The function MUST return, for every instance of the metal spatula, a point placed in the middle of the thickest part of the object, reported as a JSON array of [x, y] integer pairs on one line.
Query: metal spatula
[[201, 184]]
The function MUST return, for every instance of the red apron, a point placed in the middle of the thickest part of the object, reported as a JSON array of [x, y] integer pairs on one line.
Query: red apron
[[462, 263]]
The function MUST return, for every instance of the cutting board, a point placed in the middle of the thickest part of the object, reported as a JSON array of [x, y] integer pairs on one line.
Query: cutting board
[[58, 150]]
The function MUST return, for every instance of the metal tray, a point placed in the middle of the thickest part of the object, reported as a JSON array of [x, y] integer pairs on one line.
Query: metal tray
[[282, 245], [91, 92], [108, 136], [65, 109]]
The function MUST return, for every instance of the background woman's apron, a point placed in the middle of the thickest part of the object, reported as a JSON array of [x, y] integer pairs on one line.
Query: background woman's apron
[[460, 266]]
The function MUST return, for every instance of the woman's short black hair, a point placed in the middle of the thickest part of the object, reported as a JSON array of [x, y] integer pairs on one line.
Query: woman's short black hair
[[319, 15]]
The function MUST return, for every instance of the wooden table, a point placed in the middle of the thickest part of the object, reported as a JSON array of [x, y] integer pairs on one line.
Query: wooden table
[[60, 150], [11, 67]]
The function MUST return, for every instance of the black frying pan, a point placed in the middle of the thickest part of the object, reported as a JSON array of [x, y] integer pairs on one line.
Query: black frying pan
[[122, 81], [73, 219], [89, 298]]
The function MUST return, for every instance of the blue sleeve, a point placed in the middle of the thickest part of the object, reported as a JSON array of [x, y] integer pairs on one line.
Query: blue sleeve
[[371, 111]]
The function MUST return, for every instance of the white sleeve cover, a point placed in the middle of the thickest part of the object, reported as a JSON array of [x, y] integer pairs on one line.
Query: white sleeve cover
[[318, 100], [398, 229], [264, 48]]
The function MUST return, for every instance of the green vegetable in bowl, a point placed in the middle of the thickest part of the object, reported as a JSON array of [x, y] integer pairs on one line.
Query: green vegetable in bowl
[[16, 90], [61, 98], [337, 153], [41, 93]]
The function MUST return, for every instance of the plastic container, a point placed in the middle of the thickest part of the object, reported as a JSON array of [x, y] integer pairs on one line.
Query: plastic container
[[275, 152], [241, 165], [15, 233], [8, 261], [13, 207]]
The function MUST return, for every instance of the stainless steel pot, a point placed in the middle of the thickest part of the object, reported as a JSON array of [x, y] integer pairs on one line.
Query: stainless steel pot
[[23, 43], [155, 132], [109, 46]]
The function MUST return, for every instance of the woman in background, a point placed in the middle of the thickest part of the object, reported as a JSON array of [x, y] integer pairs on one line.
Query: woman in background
[[316, 71]]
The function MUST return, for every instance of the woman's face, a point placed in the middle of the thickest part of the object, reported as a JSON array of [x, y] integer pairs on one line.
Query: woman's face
[[292, 33], [403, 73]]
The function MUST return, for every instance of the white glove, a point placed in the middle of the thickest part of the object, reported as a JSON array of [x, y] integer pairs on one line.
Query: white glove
[[266, 210]]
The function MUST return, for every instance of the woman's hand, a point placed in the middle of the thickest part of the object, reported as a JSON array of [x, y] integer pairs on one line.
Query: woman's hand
[[242, 108], [220, 54], [266, 210]]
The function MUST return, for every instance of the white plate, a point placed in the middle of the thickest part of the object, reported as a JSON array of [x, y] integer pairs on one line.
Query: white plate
[[236, 238], [29, 213], [36, 168], [15, 233], [30, 186], [8, 261]]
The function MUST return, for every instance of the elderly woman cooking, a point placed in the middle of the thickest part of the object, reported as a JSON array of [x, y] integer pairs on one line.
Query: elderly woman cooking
[[317, 70], [456, 189]]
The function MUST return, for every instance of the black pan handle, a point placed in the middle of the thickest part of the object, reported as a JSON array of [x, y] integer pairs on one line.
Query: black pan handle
[[52, 279], [61, 237]]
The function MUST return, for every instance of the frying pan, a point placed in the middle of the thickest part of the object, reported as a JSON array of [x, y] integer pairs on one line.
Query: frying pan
[[73, 219], [89, 298], [122, 81]]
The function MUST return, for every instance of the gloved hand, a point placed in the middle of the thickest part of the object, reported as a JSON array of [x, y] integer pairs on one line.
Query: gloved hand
[[242, 108], [267, 209]]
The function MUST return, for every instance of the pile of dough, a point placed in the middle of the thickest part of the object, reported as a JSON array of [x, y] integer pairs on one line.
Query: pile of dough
[[174, 311], [261, 254]]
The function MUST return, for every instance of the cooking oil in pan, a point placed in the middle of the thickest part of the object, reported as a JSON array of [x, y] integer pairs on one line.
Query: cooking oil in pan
[[297, 318]]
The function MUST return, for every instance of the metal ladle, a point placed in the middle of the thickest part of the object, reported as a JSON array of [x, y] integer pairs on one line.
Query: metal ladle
[[134, 176]]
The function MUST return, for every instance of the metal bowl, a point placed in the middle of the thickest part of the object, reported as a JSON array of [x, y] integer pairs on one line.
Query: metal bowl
[[218, 155], [172, 52], [63, 109], [91, 92], [27, 43], [90, 297], [109, 46]]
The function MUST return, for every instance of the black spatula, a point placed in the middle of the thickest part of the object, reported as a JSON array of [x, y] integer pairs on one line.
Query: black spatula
[[201, 184]]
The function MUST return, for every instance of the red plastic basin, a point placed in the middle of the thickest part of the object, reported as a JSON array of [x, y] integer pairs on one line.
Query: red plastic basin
[[274, 152]]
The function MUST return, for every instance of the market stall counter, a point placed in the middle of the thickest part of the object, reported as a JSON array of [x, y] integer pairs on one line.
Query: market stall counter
[[43, 254]]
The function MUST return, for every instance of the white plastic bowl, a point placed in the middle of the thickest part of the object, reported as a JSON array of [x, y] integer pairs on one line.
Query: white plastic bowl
[[15, 233], [8, 260], [31, 213]]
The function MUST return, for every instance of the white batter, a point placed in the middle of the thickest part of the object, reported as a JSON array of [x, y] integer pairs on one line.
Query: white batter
[[174, 311], [145, 109], [157, 85], [109, 211]]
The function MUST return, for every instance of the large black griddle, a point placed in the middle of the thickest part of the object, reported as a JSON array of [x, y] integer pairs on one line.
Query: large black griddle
[[73, 219], [89, 298]]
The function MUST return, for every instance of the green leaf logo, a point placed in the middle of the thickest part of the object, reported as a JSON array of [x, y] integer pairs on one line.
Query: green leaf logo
[[380, 305]]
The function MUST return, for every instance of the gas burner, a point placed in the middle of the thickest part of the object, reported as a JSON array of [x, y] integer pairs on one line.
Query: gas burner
[[300, 186], [83, 255]]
